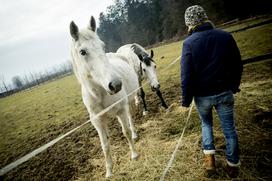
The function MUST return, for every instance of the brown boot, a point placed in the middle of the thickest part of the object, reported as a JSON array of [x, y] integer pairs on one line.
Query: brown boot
[[209, 165], [209, 162], [232, 172]]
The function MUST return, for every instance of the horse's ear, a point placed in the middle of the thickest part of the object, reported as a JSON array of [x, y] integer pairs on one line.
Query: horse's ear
[[74, 31], [140, 57], [151, 54], [92, 24]]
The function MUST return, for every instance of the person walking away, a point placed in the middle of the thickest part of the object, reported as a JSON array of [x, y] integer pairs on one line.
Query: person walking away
[[211, 71]]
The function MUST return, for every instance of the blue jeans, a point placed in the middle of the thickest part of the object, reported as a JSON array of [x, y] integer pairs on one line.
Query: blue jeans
[[223, 104]]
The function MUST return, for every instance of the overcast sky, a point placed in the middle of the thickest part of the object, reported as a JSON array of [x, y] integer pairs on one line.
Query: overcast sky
[[34, 34]]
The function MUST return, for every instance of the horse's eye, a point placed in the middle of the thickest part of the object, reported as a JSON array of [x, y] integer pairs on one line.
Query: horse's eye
[[83, 52], [155, 66], [144, 70]]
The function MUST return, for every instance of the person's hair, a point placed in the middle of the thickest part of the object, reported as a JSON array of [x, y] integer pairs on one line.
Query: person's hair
[[192, 28]]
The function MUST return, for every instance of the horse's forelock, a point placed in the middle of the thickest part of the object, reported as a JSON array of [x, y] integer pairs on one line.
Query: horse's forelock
[[87, 34]]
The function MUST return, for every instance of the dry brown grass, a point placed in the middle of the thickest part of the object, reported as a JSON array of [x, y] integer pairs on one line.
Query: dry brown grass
[[160, 131]]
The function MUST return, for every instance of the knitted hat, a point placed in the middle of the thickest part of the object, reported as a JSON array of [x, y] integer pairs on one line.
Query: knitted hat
[[195, 15]]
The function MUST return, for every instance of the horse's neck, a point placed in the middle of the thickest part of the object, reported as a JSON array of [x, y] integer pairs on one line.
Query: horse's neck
[[139, 71], [94, 90], [136, 65]]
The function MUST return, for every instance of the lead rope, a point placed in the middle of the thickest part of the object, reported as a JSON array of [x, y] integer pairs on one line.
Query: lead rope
[[170, 162]]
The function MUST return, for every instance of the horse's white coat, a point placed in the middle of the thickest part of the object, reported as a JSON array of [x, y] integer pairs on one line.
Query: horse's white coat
[[147, 72], [95, 71], [143, 70]]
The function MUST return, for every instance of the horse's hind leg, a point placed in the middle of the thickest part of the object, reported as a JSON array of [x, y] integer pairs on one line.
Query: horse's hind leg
[[131, 125], [102, 132], [158, 92], [123, 118], [142, 94], [137, 101]]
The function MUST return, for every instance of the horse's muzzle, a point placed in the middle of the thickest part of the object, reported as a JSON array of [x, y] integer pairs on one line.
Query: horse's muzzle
[[153, 88]]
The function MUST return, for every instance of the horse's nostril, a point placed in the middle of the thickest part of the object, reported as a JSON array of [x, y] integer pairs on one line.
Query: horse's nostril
[[155, 88], [115, 86], [111, 87]]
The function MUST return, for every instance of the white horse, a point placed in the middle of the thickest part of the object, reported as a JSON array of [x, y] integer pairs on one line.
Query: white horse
[[145, 68], [104, 78]]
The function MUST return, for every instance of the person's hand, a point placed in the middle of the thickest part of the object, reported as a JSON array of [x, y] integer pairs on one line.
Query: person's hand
[[234, 91], [185, 105]]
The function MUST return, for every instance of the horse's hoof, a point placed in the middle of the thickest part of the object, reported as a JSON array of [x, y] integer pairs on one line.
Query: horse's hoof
[[134, 136], [108, 175], [134, 156], [137, 103], [135, 139], [145, 113]]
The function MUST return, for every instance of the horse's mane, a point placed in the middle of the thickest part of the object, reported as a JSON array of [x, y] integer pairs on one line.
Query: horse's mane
[[140, 51]]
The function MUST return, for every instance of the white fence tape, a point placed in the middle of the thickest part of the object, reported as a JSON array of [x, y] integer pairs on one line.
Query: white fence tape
[[177, 147], [25, 158]]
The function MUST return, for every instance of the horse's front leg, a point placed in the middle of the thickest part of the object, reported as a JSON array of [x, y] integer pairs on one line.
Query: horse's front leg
[[101, 129], [142, 94], [123, 118], [137, 101], [158, 92], [131, 125]]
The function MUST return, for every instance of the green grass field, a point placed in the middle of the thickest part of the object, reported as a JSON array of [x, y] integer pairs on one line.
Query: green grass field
[[34, 117]]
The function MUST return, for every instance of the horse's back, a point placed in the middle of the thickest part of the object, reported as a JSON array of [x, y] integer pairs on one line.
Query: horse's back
[[134, 47], [123, 49], [127, 52]]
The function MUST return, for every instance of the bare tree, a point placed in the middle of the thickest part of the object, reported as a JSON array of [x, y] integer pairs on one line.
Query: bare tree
[[26, 81], [2, 89], [17, 82], [34, 78], [2, 79]]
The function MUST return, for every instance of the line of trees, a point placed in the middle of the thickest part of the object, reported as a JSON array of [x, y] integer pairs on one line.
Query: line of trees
[[33, 79], [150, 21]]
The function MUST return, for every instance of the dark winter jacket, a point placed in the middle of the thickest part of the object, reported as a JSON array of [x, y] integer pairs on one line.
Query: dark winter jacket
[[210, 63]]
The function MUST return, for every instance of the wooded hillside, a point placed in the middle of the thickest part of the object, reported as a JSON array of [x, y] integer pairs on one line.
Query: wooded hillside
[[150, 21]]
